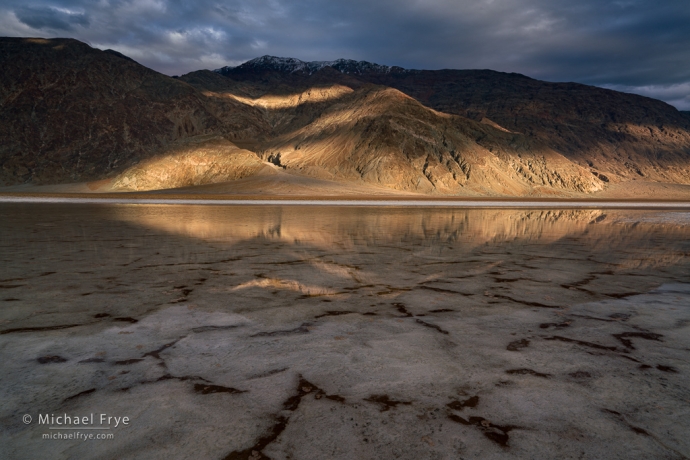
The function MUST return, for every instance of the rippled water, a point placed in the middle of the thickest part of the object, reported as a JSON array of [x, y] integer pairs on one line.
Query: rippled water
[[470, 331]]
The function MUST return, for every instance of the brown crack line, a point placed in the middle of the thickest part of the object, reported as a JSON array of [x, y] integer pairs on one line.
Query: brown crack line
[[83, 393], [524, 371], [291, 404], [624, 337], [385, 402], [45, 328], [445, 291], [206, 389], [334, 313], [496, 433], [641, 431], [302, 329], [524, 302], [517, 345], [401, 308], [432, 326], [460, 405], [581, 342]]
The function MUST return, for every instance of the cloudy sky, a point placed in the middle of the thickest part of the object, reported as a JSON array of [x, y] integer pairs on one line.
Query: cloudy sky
[[640, 46]]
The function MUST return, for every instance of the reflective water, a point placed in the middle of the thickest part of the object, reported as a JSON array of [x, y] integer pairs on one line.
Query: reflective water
[[474, 332]]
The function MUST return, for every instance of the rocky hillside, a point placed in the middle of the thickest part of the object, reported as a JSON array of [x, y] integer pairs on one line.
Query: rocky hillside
[[360, 132], [622, 136], [382, 136], [198, 160], [71, 113], [616, 136]]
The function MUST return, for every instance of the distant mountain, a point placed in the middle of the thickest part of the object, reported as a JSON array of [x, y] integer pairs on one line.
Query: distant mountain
[[292, 65], [71, 113]]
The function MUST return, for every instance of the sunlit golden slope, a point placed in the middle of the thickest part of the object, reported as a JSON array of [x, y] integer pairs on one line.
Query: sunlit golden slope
[[275, 101], [355, 131], [384, 137], [200, 160]]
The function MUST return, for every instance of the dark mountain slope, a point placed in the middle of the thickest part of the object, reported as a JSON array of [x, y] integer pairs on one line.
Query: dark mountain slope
[[620, 134], [69, 112]]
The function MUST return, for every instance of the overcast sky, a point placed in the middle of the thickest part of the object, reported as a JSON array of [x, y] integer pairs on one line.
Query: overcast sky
[[640, 46]]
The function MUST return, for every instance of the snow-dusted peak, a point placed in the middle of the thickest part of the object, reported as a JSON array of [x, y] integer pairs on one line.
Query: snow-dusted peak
[[292, 65], [276, 63]]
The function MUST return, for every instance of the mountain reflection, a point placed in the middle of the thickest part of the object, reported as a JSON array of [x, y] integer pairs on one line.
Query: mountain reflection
[[262, 259], [629, 234]]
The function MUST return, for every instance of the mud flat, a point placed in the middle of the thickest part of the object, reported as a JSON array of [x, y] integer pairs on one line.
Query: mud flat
[[345, 332]]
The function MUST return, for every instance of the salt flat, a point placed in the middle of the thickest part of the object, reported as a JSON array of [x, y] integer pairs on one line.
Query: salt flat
[[443, 202], [346, 332]]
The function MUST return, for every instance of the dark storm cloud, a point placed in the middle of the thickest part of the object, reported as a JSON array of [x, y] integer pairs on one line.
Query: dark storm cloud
[[632, 45], [50, 18]]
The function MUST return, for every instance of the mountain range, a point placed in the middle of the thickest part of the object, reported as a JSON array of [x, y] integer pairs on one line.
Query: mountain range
[[70, 113]]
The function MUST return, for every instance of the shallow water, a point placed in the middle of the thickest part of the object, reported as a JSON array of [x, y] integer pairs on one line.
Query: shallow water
[[346, 332]]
